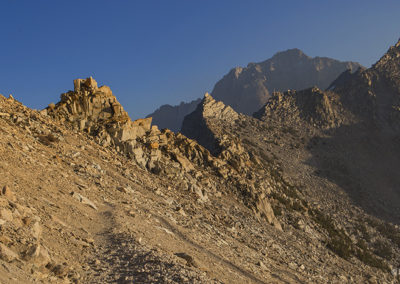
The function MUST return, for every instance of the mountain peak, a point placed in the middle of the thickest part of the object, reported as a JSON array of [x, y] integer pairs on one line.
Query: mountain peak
[[292, 52], [216, 109]]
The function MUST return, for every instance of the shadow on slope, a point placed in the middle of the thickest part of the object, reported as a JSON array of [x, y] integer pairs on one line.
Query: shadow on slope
[[365, 162]]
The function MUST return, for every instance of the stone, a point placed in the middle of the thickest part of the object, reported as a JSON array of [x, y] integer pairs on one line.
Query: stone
[[6, 214], [83, 200], [293, 265], [60, 270], [7, 254], [6, 191], [145, 123], [36, 230], [38, 254], [261, 265], [184, 162], [189, 259], [154, 145], [125, 189], [264, 208]]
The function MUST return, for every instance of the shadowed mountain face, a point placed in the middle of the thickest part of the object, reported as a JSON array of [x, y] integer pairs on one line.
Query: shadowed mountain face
[[352, 132], [246, 90], [339, 147], [171, 117]]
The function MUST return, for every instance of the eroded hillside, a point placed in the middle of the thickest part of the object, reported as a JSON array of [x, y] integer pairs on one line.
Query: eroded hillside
[[91, 196]]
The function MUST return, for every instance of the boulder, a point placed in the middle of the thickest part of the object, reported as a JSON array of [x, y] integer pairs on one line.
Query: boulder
[[265, 210]]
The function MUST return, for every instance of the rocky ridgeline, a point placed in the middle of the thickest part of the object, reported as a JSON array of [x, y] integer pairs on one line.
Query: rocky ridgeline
[[195, 124], [106, 218], [247, 89], [313, 106], [373, 94], [301, 143], [97, 112]]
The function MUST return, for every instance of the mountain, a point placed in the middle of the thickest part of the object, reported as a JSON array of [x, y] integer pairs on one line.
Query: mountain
[[304, 191], [247, 89], [338, 149], [171, 117]]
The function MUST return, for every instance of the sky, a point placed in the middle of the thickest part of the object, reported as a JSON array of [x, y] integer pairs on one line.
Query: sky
[[156, 52]]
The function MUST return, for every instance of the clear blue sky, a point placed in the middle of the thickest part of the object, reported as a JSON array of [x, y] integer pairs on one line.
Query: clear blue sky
[[167, 51]]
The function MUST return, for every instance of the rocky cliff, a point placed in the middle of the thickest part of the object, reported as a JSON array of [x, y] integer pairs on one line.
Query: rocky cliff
[[247, 89]]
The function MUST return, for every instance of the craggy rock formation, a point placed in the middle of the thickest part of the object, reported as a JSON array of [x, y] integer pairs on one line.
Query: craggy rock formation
[[97, 112], [195, 124], [247, 89], [311, 107]]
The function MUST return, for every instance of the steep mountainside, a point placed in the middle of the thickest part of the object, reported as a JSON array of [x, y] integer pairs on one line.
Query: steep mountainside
[[89, 196], [337, 148], [246, 90]]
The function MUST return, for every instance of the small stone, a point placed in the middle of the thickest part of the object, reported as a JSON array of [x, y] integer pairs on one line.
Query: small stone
[[261, 265], [126, 189], [84, 200], [293, 265], [89, 241], [6, 214], [154, 145], [7, 254], [189, 259], [38, 254], [8, 193], [182, 212], [36, 230]]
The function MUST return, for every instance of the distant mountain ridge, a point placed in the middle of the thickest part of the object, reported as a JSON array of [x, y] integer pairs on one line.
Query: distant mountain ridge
[[247, 89], [167, 116]]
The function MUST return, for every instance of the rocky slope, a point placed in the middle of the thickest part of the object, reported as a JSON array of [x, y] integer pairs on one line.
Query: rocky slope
[[336, 149], [90, 196], [247, 89]]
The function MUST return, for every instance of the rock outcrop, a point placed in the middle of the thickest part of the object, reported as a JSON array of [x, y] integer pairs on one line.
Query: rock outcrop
[[313, 106], [96, 111], [195, 124], [373, 94]]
